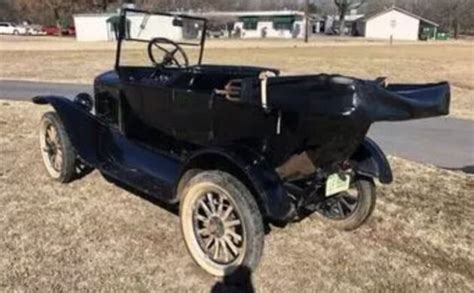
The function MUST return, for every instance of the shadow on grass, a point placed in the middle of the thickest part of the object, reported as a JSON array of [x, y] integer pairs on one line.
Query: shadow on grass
[[171, 208], [465, 169], [468, 169], [239, 281]]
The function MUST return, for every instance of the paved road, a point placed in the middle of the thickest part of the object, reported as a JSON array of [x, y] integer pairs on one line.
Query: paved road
[[445, 142], [21, 90]]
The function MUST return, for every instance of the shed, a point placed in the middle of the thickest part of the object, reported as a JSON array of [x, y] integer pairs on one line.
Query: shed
[[399, 24]]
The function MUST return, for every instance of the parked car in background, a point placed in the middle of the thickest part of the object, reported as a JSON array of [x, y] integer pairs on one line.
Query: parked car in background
[[70, 31], [215, 34], [51, 30], [34, 30], [55, 31], [12, 29]]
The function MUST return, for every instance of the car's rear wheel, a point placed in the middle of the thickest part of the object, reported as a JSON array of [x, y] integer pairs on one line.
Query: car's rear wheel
[[59, 156], [350, 209], [221, 223], [16, 32]]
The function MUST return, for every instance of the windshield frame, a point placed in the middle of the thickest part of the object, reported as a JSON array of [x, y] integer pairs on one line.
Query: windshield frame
[[122, 37]]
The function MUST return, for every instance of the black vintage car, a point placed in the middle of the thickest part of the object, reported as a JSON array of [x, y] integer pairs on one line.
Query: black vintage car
[[237, 148]]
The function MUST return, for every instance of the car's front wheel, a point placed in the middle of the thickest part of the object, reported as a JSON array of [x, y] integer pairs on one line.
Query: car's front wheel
[[221, 223], [59, 156]]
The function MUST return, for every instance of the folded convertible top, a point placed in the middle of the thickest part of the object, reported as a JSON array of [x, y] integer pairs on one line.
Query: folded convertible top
[[334, 95]]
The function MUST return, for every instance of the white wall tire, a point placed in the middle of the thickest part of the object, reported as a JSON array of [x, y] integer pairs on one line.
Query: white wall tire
[[233, 227], [58, 155]]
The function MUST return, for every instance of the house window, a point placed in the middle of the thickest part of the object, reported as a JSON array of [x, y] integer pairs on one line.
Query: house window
[[283, 23], [250, 23], [393, 23]]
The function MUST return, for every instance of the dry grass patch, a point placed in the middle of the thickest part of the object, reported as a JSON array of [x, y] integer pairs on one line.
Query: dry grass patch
[[47, 43], [91, 235]]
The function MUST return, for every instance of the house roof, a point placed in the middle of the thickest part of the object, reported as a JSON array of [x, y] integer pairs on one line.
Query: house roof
[[404, 12], [95, 14], [252, 13], [349, 17], [215, 13]]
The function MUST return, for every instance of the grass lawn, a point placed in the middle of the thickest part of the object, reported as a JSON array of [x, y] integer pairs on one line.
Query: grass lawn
[[65, 60], [91, 235]]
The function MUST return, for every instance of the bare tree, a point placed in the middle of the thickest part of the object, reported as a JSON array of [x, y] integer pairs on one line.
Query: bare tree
[[459, 15], [344, 6], [57, 7], [57, 12], [7, 10]]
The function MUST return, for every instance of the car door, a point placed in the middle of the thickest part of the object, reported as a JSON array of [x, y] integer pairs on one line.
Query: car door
[[3, 28], [11, 29], [157, 103], [171, 107], [192, 116]]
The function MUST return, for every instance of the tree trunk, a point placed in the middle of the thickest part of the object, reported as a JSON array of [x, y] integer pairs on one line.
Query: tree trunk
[[456, 28], [306, 22], [58, 21], [342, 20], [105, 5]]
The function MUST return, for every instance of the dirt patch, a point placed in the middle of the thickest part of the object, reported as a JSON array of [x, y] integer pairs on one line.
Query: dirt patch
[[91, 235]]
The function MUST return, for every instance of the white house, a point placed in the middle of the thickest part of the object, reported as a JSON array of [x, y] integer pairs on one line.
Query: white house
[[399, 24], [103, 27], [93, 27], [264, 24], [271, 24]]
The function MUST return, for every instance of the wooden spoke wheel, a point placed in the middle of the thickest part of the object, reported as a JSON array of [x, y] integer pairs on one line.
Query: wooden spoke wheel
[[221, 223], [58, 154]]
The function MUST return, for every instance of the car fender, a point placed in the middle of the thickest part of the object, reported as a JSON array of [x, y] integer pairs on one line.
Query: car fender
[[371, 162], [81, 126], [249, 167]]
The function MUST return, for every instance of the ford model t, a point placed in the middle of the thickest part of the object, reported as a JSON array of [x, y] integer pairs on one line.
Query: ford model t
[[237, 148]]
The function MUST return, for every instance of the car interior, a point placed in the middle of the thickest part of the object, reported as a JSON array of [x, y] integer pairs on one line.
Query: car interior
[[198, 78]]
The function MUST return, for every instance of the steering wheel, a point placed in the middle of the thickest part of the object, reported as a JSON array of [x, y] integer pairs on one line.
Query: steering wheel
[[170, 54]]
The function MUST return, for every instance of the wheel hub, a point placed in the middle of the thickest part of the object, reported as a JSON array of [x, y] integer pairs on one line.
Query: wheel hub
[[216, 227], [340, 206]]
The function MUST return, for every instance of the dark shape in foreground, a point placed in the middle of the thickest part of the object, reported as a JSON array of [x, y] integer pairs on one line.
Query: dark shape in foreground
[[240, 281], [237, 147]]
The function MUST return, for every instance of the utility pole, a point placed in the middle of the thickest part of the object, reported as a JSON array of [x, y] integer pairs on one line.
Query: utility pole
[[306, 16]]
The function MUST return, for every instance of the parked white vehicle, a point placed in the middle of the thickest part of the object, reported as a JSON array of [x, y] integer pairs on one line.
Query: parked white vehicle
[[34, 30], [12, 29]]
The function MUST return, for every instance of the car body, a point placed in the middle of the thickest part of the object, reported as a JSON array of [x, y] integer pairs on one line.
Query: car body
[[9, 28], [51, 30], [34, 30], [71, 31], [235, 147], [216, 33], [56, 31]]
